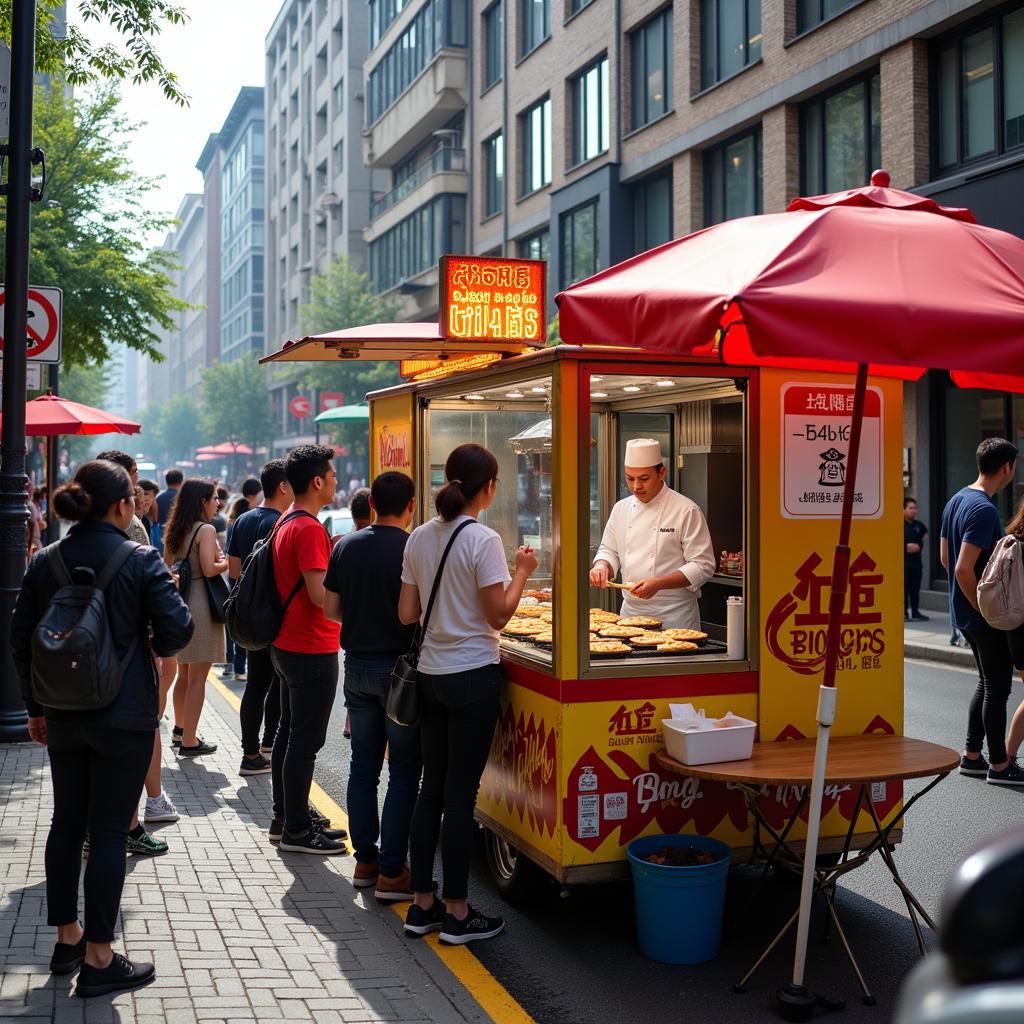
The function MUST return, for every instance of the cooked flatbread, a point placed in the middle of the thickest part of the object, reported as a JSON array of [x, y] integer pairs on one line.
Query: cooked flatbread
[[602, 616], [530, 611], [677, 646], [685, 634], [525, 627], [649, 639], [546, 615], [621, 632], [608, 647], [641, 620], [543, 638]]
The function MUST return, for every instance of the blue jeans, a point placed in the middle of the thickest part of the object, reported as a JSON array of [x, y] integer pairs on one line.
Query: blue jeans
[[366, 691]]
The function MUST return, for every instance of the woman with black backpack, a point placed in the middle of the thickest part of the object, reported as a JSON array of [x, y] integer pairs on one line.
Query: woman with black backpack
[[94, 707]]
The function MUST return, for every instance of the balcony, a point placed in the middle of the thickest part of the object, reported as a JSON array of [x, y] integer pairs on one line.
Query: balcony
[[427, 104], [441, 160]]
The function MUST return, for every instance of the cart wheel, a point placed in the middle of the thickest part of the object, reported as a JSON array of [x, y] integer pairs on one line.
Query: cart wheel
[[516, 877]]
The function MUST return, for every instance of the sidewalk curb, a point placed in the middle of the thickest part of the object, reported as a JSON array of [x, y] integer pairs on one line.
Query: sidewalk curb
[[961, 657]]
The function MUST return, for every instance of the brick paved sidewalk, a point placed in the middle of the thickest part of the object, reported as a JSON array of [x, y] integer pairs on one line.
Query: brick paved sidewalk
[[238, 931]]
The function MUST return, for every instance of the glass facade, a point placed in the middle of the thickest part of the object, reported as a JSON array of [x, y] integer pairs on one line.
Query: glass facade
[[730, 38], [439, 23], [242, 237], [416, 243], [580, 242], [651, 57], [534, 247], [732, 179], [979, 91], [813, 12], [535, 17], [494, 175], [535, 126], [841, 137], [652, 212], [494, 44], [590, 112], [382, 13]]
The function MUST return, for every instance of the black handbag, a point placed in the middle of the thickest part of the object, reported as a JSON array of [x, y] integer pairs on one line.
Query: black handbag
[[182, 568], [403, 703], [217, 591]]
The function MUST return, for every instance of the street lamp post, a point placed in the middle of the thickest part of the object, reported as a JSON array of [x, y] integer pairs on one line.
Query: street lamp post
[[13, 508]]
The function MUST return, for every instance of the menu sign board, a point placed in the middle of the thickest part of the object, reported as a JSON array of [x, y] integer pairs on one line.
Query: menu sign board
[[491, 299], [432, 369]]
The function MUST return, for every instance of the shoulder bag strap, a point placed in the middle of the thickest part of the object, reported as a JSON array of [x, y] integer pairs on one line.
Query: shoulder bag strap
[[55, 560], [191, 543], [298, 583], [121, 555], [422, 631]]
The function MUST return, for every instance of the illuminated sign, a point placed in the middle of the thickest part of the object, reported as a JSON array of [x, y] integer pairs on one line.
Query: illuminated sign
[[433, 369], [491, 299]]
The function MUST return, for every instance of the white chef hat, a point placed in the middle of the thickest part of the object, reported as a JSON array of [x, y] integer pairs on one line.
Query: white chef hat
[[643, 452]]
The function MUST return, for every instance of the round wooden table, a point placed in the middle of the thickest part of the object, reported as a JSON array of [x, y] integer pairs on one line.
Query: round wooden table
[[861, 761]]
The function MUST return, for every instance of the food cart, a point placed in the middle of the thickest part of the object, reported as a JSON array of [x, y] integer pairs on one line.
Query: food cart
[[571, 778]]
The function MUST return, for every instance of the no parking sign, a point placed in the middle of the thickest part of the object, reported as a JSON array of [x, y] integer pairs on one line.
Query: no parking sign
[[44, 315]]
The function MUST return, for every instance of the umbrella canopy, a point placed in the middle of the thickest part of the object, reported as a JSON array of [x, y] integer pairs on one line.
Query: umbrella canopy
[[51, 415], [870, 275], [224, 448], [344, 413]]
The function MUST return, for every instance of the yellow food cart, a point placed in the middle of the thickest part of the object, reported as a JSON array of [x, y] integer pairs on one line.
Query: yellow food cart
[[571, 778]]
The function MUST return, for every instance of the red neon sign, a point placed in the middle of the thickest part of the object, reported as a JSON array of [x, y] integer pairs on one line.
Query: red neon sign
[[491, 299]]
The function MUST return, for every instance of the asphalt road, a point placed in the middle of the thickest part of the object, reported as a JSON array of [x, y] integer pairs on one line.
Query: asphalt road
[[573, 959]]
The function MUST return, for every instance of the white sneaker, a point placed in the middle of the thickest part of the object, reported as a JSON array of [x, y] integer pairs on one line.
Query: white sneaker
[[160, 808]]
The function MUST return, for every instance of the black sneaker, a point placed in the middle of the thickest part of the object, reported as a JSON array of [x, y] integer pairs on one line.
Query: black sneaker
[[67, 956], [118, 975], [275, 830], [918, 617], [979, 766], [1011, 775], [202, 747], [476, 926], [258, 765], [313, 840], [176, 734], [421, 922], [322, 822]]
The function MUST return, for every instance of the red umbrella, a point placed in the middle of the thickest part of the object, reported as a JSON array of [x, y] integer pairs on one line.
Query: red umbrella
[[225, 448], [870, 278], [50, 415]]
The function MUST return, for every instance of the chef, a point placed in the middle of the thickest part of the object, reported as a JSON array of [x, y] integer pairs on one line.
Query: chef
[[660, 541]]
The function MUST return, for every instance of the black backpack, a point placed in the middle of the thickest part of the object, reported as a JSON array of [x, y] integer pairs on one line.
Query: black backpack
[[253, 610], [74, 664]]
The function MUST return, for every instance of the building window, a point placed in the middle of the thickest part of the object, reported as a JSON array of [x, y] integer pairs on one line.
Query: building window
[[534, 247], [590, 112], [416, 243], [494, 44], [579, 241], [652, 211], [813, 12], [979, 94], [536, 19], [535, 126], [575, 6], [494, 175], [651, 80], [730, 38], [732, 179], [841, 137], [382, 13], [339, 96]]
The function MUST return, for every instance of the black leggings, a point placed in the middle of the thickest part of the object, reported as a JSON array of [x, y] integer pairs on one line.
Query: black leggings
[[97, 776], [986, 717], [458, 714], [261, 703]]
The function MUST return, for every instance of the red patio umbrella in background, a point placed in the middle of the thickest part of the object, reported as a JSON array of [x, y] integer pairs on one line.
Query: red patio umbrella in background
[[869, 280], [225, 448]]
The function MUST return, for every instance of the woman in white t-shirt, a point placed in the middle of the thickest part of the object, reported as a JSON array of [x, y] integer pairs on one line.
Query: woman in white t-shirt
[[459, 684]]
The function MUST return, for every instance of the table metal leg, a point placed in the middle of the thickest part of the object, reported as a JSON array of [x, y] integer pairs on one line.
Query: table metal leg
[[869, 999], [741, 985]]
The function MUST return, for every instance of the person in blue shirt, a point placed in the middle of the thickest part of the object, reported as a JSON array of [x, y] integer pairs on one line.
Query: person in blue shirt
[[970, 531]]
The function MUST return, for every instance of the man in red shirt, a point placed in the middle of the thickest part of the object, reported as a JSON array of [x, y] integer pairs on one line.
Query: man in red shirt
[[305, 653]]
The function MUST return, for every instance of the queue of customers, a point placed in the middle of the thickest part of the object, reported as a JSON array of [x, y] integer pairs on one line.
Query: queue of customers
[[362, 596]]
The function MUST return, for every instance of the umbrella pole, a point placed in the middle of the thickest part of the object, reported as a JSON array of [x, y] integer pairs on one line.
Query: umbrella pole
[[797, 991]]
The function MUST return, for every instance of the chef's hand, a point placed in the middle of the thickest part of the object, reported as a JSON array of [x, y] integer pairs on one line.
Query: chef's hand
[[600, 575], [645, 589], [526, 560], [37, 729], [913, 549]]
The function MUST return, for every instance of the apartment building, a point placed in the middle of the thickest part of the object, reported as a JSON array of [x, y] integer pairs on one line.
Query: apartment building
[[318, 190]]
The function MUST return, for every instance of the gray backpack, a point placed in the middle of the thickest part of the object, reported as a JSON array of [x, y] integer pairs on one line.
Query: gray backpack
[[1001, 587]]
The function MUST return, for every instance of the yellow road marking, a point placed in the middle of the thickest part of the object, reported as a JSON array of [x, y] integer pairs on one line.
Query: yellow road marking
[[492, 997]]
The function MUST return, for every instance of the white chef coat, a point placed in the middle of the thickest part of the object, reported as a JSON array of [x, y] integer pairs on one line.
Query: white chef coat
[[664, 535]]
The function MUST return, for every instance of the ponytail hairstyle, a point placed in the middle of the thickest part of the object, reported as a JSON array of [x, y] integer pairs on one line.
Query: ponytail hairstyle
[[469, 469], [97, 485]]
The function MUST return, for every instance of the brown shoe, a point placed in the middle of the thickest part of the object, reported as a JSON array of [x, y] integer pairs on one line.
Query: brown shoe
[[394, 890], [366, 875]]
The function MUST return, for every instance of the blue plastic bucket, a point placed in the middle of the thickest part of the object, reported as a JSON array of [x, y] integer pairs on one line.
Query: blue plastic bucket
[[679, 909]]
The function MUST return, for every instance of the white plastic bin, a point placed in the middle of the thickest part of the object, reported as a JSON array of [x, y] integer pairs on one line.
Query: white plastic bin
[[709, 746]]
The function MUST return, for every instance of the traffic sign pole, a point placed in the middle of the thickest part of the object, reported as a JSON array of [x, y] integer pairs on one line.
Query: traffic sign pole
[[14, 512]]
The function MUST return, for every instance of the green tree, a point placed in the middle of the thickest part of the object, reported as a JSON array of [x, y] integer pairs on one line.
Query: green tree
[[236, 402], [87, 238], [172, 431], [344, 297], [68, 52]]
